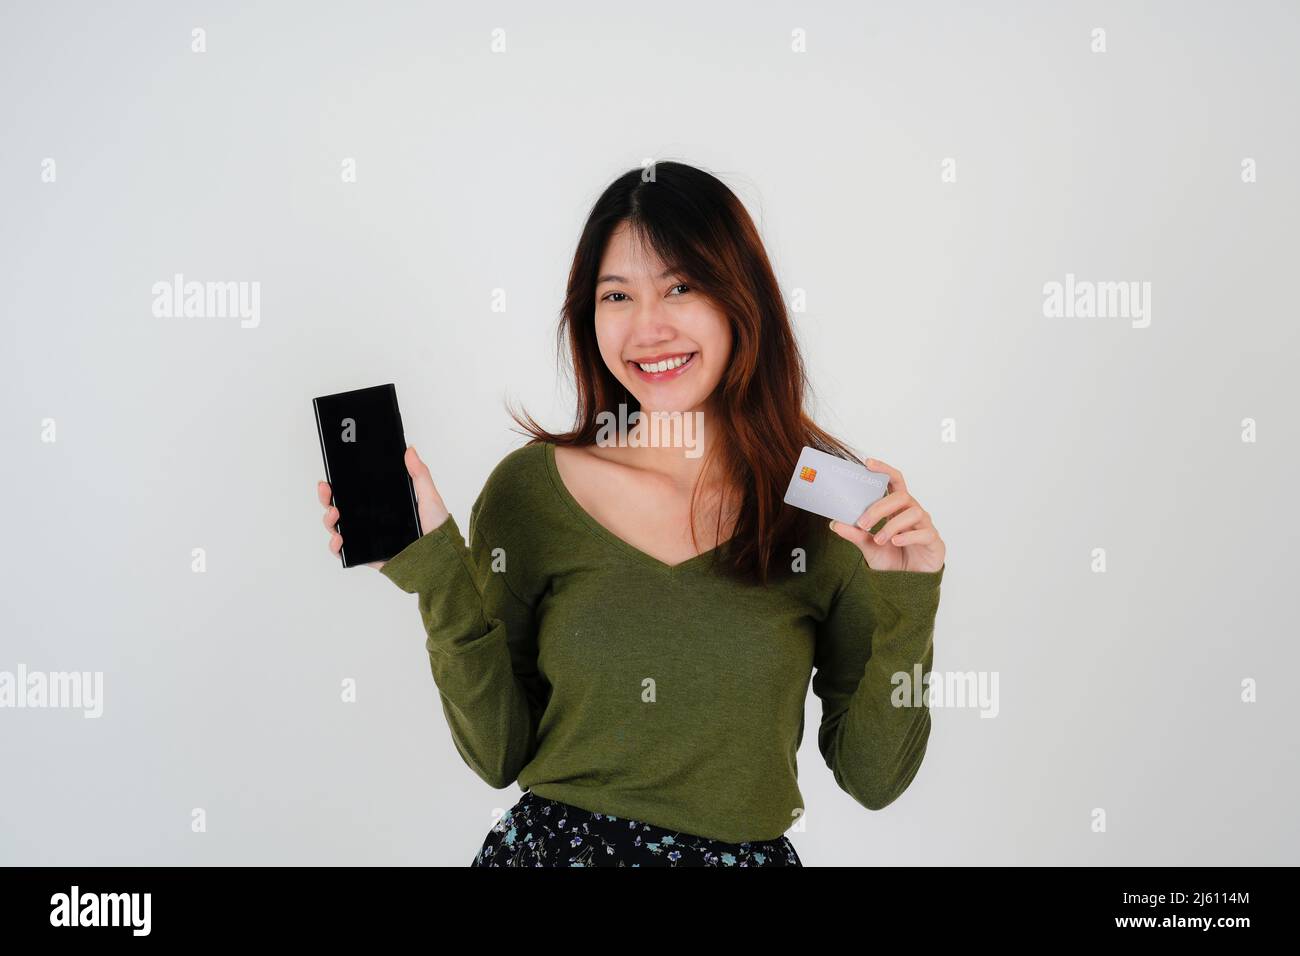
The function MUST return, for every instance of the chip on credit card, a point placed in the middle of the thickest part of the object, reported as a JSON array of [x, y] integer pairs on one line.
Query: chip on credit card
[[833, 487]]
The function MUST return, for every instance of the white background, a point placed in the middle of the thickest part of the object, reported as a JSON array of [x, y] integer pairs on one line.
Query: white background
[[475, 171]]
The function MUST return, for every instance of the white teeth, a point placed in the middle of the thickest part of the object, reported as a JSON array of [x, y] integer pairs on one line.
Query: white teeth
[[665, 365]]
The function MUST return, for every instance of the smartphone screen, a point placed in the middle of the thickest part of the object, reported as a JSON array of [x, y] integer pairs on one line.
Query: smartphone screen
[[363, 445]]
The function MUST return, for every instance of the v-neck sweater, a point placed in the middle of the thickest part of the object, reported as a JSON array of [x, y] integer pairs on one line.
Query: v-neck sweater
[[592, 673]]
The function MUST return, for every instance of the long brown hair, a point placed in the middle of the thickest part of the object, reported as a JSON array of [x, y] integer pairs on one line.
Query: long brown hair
[[701, 229]]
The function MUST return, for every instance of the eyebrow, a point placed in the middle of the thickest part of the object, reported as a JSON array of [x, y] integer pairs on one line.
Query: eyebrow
[[613, 278]]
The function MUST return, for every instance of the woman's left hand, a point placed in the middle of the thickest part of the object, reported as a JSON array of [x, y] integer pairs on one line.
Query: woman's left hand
[[908, 541]]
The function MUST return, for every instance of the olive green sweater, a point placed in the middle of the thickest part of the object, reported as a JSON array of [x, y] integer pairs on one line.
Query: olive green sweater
[[594, 674]]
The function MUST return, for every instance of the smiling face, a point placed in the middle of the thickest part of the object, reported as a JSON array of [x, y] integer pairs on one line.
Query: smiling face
[[664, 341]]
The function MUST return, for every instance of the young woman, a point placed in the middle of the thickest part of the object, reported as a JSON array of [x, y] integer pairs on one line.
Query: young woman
[[630, 631]]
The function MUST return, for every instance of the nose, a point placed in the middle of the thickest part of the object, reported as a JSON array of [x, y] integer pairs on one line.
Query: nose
[[652, 323]]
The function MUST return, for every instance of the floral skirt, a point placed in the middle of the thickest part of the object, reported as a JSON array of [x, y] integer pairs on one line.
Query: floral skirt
[[537, 831]]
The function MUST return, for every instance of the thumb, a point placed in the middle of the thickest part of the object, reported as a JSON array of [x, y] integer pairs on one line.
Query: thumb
[[419, 473], [433, 511], [852, 533]]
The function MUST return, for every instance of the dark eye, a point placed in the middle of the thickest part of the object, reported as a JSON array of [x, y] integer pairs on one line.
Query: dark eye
[[608, 294], [683, 286]]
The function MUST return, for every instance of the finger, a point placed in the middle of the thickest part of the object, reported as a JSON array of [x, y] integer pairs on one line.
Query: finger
[[331, 518], [420, 477], [323, 492], [851, 533], [892, 502], [896, 482], [905, 521], [336, 542], [916, 536]]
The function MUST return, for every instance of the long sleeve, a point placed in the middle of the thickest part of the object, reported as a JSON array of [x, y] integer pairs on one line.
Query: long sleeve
[[881, 624], [482, 644]]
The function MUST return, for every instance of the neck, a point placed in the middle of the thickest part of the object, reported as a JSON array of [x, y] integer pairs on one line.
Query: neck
[[671, 443]]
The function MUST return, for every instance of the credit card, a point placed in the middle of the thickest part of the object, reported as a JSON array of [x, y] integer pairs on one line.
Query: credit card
[[833, 487]]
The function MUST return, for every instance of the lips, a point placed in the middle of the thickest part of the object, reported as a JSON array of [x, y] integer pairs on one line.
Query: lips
[[669, 371]]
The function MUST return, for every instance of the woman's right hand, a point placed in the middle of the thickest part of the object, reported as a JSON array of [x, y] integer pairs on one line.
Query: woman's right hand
[[429, 503]]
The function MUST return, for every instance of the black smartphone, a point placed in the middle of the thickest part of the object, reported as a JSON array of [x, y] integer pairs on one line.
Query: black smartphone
[[362, 442]]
